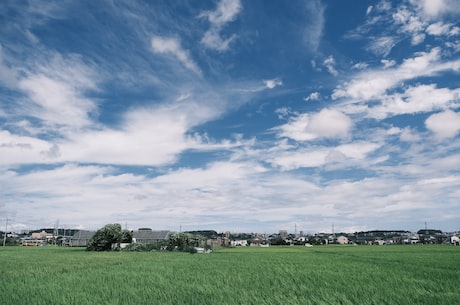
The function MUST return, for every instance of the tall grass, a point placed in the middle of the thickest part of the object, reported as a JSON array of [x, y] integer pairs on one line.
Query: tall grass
[[275, 275]]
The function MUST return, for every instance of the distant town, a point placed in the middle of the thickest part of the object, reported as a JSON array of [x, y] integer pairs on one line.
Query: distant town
[[80, 238]]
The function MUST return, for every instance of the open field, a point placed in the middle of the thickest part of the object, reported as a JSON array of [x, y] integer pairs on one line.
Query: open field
[[274, 275]]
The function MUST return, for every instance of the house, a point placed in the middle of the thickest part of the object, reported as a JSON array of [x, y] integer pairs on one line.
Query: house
[[42, 235], [235, 243], [81, 238], [343, 240]]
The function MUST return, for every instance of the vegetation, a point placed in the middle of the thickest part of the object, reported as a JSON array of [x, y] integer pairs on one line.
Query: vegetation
[[109, 235], [185, 242], [244, 275], [180, 242], [140, 247]]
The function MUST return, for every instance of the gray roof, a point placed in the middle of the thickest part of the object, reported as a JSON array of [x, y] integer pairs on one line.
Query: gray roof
[[150, 235], [83, 234], [139, 235]]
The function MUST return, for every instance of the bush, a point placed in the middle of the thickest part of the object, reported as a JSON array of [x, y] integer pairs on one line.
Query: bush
[[139, 247]]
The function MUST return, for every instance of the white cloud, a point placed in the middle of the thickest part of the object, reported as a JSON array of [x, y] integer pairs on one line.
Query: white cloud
[[55, 101], [369, 9], [213, 40], [210, 177], [440, 28], [328, 123], [8, 75], [411, 23], [315, 24], [329, 63], [382, 45], [272, 83], [314, 96], [342, 156], [226, 11], [415, 99], [357, 150], [360, 66], [399, 21], [56, 91], [153, 136], [283, 112], [172, 46], [435, 8], [409, 135], [16, 149], [455, 45], [417, 39], [372, 84], [388, 63], [300, 159], [444, 125]]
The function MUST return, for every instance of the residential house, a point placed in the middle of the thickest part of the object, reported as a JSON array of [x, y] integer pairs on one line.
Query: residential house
[[343, 240], [42, 235], [81, 238], [235, 243]]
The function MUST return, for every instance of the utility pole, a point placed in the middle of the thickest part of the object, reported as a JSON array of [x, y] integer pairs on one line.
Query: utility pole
[[6, 229]]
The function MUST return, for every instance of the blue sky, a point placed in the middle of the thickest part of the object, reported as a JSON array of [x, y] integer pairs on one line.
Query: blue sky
[[248, 116]]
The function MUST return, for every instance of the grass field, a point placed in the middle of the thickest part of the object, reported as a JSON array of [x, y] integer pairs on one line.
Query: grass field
[[275, 275]]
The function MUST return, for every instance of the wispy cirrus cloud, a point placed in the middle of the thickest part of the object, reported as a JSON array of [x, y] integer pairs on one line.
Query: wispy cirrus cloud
[[314, 27], [408, 19], [225, 12], [172, 46], [54, 90]]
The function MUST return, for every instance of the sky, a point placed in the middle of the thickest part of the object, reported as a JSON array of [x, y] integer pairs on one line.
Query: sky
[[230, 115]]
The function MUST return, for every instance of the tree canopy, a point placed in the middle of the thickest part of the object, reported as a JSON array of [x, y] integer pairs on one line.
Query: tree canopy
[[107, 236]]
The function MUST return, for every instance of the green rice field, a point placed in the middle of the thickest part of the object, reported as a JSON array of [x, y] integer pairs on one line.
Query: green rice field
[[274, 275]]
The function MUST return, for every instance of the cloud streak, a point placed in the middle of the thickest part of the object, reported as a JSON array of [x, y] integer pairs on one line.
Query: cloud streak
[[172, 46]]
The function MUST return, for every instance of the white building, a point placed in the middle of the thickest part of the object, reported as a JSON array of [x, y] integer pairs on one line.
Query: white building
[[235, 243]]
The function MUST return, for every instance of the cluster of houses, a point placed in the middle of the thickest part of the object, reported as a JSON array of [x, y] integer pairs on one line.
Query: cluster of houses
[[377, 237], [80, 238]]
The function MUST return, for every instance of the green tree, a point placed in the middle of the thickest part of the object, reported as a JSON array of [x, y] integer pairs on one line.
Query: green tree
[[126, 236], [185, 242], [107, 236]]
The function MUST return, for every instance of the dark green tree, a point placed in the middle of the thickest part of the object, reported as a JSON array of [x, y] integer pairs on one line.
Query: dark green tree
[[107, 236], [185, 242], [126, 236]]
